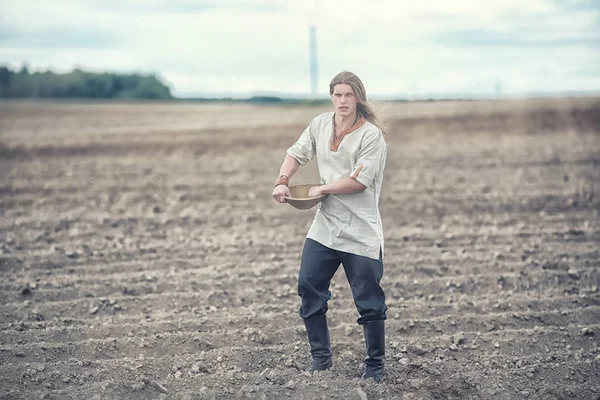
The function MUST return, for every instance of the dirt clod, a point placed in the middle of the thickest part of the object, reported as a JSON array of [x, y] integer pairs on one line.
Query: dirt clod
[[154, 384], [291, 385]]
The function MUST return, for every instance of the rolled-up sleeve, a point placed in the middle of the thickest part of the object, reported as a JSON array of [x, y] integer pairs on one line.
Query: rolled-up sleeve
[[304, 148], [370, 158]]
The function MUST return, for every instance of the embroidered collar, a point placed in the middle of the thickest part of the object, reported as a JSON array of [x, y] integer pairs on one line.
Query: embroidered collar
[[335, 143]]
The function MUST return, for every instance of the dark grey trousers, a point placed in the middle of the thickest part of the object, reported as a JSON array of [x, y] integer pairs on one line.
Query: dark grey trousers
[[318, 266]]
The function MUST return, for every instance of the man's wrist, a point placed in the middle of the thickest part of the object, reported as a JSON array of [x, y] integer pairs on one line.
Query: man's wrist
[[282, 180]]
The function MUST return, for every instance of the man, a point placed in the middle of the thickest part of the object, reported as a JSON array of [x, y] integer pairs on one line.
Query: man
[[351, 152]]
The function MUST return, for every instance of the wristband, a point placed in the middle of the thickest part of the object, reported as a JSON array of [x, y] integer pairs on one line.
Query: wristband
[[282, 180]]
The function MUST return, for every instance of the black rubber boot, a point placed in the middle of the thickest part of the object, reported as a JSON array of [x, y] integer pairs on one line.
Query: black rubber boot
[[318, 338], [375, 344]]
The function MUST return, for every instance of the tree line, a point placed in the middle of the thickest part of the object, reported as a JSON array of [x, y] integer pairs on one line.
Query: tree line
[[80, 84]]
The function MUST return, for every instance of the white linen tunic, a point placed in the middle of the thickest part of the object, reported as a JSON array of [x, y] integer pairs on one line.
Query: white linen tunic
[[346, 222]]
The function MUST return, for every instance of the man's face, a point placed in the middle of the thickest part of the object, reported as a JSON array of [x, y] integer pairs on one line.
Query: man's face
[[344, 100]]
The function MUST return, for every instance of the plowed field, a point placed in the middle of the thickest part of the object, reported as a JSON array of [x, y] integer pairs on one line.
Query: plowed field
[[142, 256]]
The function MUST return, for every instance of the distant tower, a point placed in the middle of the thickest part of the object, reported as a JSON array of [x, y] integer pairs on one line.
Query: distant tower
[[313, 60], [498, 87]]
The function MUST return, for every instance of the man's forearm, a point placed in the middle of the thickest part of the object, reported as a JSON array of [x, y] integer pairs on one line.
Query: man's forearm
[[347, 185], [289, 167]]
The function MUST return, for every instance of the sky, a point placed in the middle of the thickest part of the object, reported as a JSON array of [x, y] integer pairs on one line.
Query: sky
[[246, 47]]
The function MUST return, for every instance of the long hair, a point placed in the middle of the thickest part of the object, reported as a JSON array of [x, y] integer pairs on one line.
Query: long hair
[[363, 106]]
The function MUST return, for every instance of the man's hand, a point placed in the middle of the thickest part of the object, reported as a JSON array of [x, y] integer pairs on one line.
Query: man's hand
[[315, 191], [280, 192]]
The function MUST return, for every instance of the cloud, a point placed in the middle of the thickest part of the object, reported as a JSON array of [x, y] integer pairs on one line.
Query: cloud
[[578, 5], [149, 7], [56, 37], [488, 38]]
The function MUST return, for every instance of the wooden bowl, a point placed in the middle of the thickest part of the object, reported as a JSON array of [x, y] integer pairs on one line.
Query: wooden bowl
[[299, 197]]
